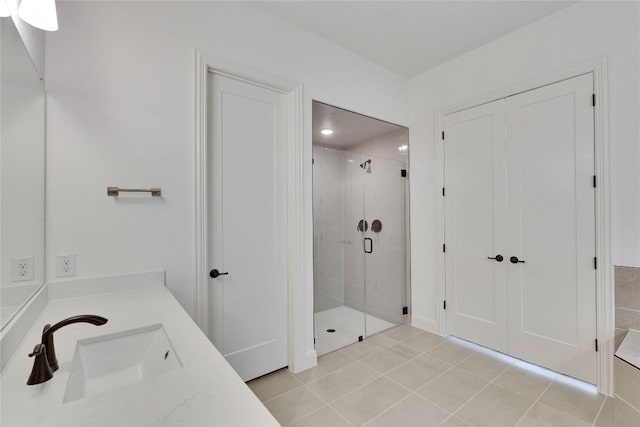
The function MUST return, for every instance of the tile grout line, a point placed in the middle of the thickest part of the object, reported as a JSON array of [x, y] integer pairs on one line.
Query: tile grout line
[[353, 359], [599, 411], [388, 409], [534, 403], [325, 404], [628, 403], [469, 400], [414, 392], [300, 383]]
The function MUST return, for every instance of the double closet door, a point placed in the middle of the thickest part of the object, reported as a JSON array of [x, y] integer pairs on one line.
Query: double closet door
[[520, 226]]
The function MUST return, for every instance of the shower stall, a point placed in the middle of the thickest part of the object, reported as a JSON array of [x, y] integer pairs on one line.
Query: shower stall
[[360, 242]]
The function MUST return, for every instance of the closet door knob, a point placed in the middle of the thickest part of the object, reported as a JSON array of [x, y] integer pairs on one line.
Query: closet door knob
[[515, 260], [215, 273], [498, 258]]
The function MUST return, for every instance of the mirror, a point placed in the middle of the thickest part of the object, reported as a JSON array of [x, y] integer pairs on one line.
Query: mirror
[[22, 109]]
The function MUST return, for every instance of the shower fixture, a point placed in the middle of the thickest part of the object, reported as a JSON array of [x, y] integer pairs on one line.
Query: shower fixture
[[366, 166]]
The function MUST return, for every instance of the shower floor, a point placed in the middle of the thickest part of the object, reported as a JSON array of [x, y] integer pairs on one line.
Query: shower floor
[[349, 325]]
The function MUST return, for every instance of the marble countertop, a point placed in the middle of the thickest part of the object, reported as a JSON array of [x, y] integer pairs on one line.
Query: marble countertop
[[629, 349], [205, 391]]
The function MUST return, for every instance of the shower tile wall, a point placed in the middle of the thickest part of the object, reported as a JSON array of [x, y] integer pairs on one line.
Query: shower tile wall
[[627, 288], [328, 229], [354, 211]]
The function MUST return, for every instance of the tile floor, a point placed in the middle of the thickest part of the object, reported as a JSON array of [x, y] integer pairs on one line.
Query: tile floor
[[407, 377], [348, 324]]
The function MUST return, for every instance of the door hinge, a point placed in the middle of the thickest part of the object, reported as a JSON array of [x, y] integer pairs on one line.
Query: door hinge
[[596, 344], [444, 304], [595, 262], [443, 135], [595, 181], [403, 173], [443, 191], [444, 248], [593, 100], [405, 310], [313, 161]]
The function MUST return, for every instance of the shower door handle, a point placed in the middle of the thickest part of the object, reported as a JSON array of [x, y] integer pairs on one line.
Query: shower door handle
[[370, 245]]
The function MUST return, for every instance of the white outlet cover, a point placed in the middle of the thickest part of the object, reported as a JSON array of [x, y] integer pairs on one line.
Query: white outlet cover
[[66, 265], [22, 269]]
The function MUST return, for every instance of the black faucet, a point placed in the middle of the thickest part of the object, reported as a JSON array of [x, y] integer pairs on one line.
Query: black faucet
[[46, 362], [47, 334], [41, 370]]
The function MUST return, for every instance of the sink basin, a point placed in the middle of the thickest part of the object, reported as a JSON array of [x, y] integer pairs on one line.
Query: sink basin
[[115, 360]]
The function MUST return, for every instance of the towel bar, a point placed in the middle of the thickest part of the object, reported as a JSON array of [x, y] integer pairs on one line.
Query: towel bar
[[115, 191]]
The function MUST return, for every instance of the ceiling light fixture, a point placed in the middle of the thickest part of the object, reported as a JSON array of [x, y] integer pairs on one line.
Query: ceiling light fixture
[[326, 131], [4, 9], [403, 148], [39, 13]]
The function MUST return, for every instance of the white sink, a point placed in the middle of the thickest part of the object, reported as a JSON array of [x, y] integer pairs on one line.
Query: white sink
[[111, 361]]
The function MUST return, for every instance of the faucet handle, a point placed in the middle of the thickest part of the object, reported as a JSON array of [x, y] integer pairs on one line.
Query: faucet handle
[[37, 350], [41, 370]]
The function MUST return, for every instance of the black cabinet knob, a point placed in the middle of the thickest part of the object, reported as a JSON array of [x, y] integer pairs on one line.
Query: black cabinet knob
[[515, 260], [215, 273], [498, 258]]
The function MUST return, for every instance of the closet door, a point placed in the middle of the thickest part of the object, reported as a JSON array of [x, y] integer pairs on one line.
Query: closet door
[[475, 225], [551, 227]]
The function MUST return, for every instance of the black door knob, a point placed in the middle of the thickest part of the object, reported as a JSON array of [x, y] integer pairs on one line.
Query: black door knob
[[215, 273], [515, 260], [498, 258]]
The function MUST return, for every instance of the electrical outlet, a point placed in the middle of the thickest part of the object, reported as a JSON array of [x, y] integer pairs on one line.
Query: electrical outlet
[[22, 269], [66, 265]]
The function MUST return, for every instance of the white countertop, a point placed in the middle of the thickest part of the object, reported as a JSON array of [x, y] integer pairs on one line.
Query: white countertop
[[206, 391]]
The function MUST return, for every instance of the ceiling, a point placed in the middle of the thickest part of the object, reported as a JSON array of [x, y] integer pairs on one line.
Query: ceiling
[[410, 37], [349, 128]]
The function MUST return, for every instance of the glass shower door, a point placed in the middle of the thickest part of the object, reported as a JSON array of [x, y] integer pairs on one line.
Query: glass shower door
[[385, 264], [338, 206], [355, 226]]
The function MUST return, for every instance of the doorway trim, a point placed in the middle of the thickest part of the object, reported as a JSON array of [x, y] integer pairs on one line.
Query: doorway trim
[[301, 352], [605, 312]]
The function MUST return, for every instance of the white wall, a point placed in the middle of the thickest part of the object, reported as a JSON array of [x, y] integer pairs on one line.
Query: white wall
[[575, 35], [32, 37], [120, 111]]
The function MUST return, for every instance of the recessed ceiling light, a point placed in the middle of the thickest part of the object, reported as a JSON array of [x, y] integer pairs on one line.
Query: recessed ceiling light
[[326, 131], [403, 148]]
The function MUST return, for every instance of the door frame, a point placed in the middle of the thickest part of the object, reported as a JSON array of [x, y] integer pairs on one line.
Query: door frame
[[605, 312], [301, 352]]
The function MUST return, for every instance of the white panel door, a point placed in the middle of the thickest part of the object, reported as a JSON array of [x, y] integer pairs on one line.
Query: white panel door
[[247, 236], [474, 226], [551, 227]]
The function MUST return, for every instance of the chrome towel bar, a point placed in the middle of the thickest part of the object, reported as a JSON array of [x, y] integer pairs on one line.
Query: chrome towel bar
[[115, 191]]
